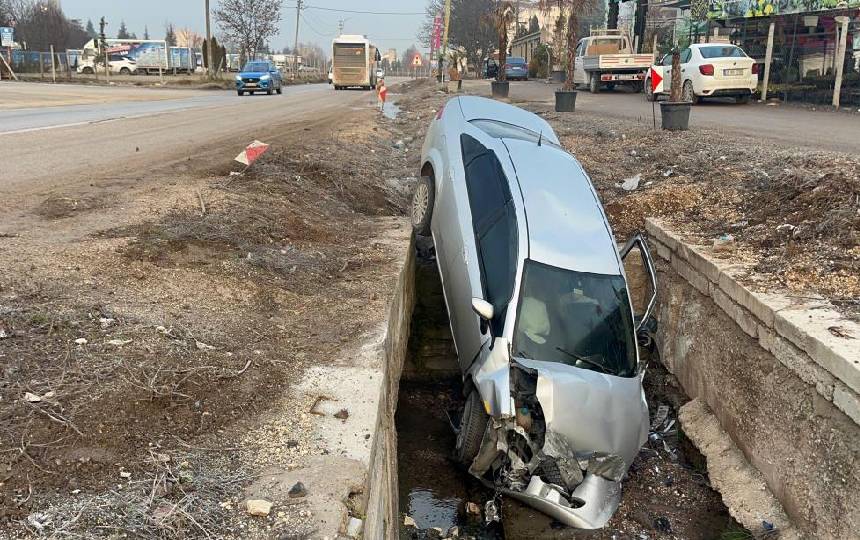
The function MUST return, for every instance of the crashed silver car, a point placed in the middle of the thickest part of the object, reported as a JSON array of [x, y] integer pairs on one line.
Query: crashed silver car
[[540, 311]]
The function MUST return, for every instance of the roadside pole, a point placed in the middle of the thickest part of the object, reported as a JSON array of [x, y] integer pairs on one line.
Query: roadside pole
[[41, 65], [445, 39], [768, 57], [296, 47], [53, 67], [840, 57], [209, 42]]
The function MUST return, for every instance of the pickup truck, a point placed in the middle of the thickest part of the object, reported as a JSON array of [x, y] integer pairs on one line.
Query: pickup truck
[[606, 58]]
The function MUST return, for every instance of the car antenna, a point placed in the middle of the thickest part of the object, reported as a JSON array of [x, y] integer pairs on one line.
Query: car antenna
[[540, 139]]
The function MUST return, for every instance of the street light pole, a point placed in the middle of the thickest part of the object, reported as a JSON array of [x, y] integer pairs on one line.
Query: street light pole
[[208, 41]]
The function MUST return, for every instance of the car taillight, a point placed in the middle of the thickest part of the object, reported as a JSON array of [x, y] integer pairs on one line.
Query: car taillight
[[439, 112], [755, 69], [707, 69]]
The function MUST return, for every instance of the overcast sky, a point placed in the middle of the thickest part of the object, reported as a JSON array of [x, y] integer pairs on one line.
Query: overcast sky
[[317, 25]]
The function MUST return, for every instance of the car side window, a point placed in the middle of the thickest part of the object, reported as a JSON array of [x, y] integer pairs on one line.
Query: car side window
[[494, 223], [667, 60], [685, 55]]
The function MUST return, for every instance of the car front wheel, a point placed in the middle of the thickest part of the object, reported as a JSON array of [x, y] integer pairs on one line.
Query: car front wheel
[[473, 424], [594, 83], [422, 205]]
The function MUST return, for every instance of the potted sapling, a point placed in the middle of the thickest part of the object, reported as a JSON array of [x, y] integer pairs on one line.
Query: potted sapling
[[675, 113]]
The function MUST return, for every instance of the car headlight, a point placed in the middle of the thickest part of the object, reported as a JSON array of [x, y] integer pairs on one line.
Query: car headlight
[[238, 78], [265, 77]]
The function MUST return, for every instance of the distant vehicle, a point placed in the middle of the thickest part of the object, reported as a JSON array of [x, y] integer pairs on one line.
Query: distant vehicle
[[150, 56], [330, 76], [490, 69], [380, 73], [710, 70], [540, 311], [259, 76], [119, 65], [353, 62], [516, 68], [606, 58]]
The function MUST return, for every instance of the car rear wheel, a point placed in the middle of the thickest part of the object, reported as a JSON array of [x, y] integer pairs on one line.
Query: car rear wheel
[[269, 92], [594, 83], [280, 90], [649, 93], [88, 71], [472, 428], [423, 200], [743, 100], [687, 93], [241, 93]]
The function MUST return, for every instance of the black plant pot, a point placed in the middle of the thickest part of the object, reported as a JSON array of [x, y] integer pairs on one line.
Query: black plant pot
[[501, 89], [675, 115], [565, 100], [559, 75]]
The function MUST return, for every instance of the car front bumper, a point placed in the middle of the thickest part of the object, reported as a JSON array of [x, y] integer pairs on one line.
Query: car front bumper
[[251, 86]]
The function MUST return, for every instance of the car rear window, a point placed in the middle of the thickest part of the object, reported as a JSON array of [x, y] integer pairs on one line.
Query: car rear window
[[503, 130], [516, 60], [721, 51]]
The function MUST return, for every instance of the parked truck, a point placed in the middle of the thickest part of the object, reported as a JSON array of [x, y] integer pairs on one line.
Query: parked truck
[[149, 56], [606, 59]]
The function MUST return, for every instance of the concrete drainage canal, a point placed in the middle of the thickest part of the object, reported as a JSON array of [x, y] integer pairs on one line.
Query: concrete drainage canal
[[666, 493]]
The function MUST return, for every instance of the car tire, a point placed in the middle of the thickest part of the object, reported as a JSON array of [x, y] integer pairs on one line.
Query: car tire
[[610, 87], [280, 90], [87, 71], [423, 200], [124, 71], [688, 94], [473, 424], [743, 100], [269, 91], [241, 93], [649, 93], [594, 83]]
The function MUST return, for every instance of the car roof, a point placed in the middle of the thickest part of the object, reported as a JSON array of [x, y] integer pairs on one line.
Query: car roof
[[478, 108], [565, 222]]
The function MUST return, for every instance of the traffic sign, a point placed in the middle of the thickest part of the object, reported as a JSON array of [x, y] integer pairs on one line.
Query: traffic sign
[[656, 78], [7, 36], [417, 61]]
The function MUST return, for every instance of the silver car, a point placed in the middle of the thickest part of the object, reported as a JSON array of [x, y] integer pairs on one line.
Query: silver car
[[540, 311]]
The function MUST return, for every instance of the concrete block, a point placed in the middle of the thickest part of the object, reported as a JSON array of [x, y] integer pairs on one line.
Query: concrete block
[[694, 278], [662, 251], [761, 305], [655, 229], [847, 401], [703, 264], [797, 361], [742, 317], [810, 330]]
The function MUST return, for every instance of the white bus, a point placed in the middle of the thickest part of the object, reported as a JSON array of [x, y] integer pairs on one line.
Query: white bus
[[353, 62]]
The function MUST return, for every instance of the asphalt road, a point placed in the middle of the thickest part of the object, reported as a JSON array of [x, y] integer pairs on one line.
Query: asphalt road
[[137, 132], [785, 124]]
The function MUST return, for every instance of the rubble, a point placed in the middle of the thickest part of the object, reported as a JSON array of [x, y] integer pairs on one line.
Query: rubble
[[258, 507]]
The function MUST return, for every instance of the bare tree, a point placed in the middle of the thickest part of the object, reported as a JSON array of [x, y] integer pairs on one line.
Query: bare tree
[[249, 23], [504, 18], [573, 11], [185, 37], [40, 24], [472, 29]]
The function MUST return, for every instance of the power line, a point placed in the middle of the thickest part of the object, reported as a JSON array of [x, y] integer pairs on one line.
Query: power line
[[405, 13], [314, 30]]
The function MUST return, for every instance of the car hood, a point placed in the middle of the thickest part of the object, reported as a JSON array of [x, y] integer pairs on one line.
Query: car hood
[[253, 74], [595, 412]]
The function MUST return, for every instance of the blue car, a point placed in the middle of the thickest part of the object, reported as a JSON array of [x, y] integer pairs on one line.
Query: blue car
[[259, 76], [516, 68]]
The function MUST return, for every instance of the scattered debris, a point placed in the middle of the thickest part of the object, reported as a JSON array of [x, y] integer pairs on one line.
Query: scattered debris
[[473, 509], [203, 347], [106, 322], [342, 414], [840, 332], [724, 244], [81, 341], [409, 522], [491, 512], [124, 474], [258, 507], [661, 524], [32, 398], [119, 342], [630, 184], [251, 153], [354, 527], [297, 491]]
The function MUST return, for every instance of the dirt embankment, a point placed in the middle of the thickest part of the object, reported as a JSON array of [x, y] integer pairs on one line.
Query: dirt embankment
[[793, 215], [136, 356]]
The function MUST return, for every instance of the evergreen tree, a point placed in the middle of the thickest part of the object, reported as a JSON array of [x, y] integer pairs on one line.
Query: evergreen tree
[[170, 35], [122, 33], [91, 29]]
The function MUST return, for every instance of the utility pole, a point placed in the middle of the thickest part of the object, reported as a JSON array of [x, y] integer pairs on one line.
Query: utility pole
[[340, 25], [208, 41], [104, 48], [296, 47]]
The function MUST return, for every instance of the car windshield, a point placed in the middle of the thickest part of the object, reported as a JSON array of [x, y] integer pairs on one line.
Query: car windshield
[[256, 66], [575, 318], [721, 51]]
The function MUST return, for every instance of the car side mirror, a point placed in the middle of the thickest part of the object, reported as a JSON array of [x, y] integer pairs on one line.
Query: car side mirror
[[635, 269]]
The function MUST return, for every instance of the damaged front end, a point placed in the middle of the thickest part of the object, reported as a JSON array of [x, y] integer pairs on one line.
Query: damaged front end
[[560, 438]]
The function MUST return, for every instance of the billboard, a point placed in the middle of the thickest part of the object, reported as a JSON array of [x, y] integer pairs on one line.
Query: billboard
[[722, 9], [7, 36]]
